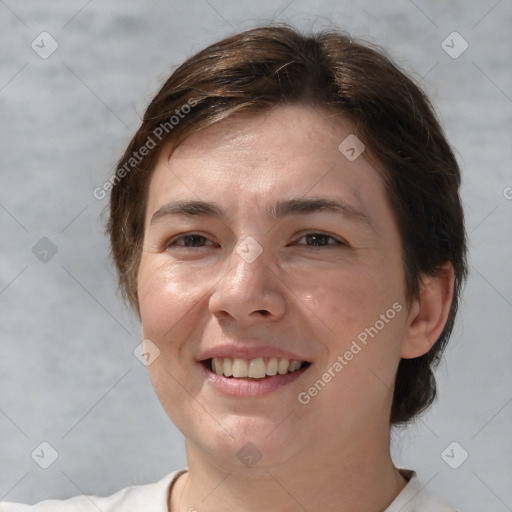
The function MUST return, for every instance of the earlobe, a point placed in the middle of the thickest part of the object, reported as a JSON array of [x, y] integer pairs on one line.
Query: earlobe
[[428, 313]]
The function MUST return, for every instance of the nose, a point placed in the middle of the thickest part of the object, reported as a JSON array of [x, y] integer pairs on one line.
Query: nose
[[248, 292]]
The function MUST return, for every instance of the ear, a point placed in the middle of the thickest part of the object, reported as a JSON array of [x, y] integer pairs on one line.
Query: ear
[[428, 313]]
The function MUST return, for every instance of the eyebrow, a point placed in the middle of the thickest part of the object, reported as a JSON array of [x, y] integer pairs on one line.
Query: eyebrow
[[281, 209]]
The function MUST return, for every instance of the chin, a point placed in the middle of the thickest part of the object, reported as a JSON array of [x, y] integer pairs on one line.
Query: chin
[[242, 443]]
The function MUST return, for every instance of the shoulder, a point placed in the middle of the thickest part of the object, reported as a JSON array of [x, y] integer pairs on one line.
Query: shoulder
[[151, 497], [415, 497]]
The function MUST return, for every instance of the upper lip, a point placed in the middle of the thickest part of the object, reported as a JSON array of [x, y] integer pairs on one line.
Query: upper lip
[[248, 352]]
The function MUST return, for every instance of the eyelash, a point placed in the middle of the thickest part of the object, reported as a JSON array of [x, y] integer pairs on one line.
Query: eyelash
[[173, 243]]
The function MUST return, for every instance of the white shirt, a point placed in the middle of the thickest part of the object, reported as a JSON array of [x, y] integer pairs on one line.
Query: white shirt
[[154, 498]]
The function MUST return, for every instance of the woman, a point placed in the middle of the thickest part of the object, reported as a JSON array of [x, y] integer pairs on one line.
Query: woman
[[287, 226]]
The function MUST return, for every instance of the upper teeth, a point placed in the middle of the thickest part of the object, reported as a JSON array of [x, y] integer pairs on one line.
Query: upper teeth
[[255, 368]]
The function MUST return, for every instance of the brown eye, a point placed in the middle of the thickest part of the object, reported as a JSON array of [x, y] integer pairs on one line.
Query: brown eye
[[319, 240], [190, 240]]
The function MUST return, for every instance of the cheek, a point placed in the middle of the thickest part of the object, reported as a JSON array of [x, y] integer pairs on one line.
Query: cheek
[[347, 300], [166, 298], [358, 307]]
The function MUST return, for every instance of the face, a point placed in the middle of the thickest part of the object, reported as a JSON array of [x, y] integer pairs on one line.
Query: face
[[271, 287]]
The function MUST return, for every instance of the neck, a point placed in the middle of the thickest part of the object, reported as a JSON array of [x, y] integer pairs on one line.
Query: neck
[[359, 478]]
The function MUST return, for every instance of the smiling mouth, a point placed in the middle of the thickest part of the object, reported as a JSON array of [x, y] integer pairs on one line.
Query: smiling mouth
[[259, 368]]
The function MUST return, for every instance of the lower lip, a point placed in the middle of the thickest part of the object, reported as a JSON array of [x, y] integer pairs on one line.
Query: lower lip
[[250, 387]]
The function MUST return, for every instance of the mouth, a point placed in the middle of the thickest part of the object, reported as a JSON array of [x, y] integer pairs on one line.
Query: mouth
[[258, 368], [245, 378]]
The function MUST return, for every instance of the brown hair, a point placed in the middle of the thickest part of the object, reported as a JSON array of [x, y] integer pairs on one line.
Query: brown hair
[[260, 68]]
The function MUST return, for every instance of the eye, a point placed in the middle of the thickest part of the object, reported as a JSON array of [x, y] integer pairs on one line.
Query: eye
[[320, 240], [192, 240]]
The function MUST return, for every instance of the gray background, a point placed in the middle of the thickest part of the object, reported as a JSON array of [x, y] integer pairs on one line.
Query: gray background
[[67, 372]]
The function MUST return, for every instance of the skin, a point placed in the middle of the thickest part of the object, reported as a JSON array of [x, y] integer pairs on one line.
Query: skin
[[309, 298]]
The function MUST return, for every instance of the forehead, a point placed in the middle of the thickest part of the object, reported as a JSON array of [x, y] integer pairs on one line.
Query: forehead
[[248, 159]]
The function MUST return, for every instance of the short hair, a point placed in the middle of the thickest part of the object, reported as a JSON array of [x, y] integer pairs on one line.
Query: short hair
[[259, 69]]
